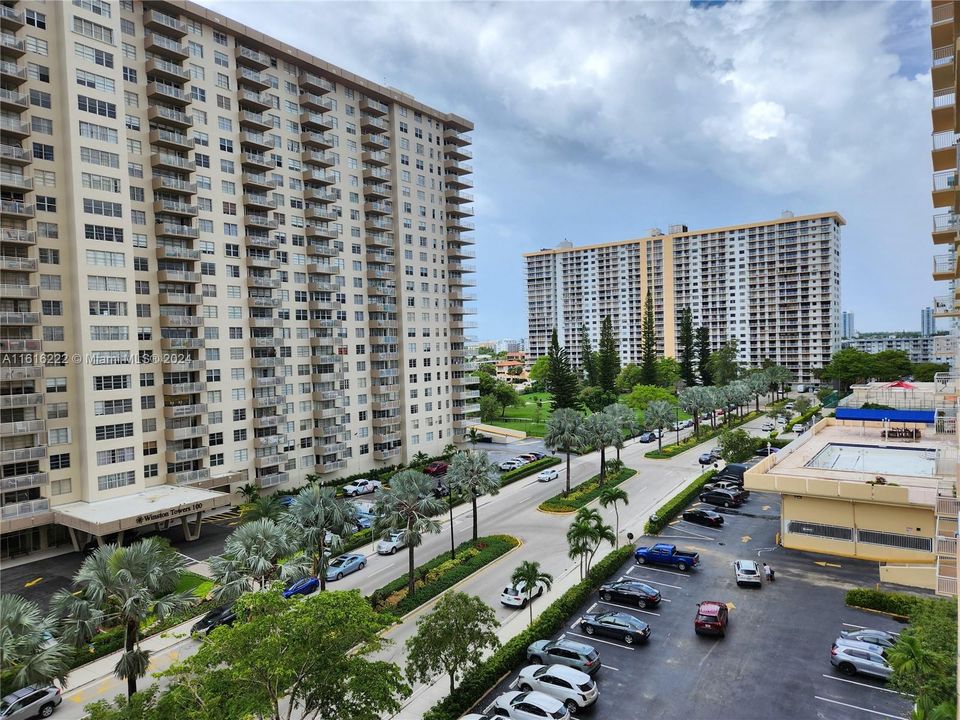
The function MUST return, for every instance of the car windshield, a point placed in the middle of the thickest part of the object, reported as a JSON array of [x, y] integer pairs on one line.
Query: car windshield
[[703, 617], [338, 562], [748, 571]]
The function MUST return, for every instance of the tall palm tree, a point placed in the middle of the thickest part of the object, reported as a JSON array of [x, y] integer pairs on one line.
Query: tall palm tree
[[693, 400], [599, 430], [473, 475], [254, 555], [262, 507], [659, 415], [759, 383], [588, 525], [473, 436], [27, 655], [612, 496], [625, 419], [408, 506], [124, 586], [319, 521], [779, 378], [529, 574], [564, 432], [715, 400]]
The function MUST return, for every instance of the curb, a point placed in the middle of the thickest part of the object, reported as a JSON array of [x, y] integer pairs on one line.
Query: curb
[[541, 509], [895, 616]]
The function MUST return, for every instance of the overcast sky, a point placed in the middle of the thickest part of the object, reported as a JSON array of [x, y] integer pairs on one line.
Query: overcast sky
[[596, 122]]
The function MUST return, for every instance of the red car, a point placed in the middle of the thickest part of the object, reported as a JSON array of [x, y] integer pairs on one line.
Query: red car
[[711, 619], [436, 468]]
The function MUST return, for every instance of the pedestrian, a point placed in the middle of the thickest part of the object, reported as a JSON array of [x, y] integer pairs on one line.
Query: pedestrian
[[768, 573]]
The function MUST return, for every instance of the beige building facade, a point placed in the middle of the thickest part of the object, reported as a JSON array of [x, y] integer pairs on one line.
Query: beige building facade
[[774, 286], [223, 261]]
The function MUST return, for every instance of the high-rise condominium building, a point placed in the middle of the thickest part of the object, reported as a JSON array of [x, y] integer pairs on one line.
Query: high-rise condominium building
[[773, 286], [847, 328], [928, 323], [222, 261]]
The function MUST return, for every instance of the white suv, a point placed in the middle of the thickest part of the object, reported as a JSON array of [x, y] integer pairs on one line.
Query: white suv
[[393, 543], [528, 706], [748, 573], [573, 688], [517, 596]]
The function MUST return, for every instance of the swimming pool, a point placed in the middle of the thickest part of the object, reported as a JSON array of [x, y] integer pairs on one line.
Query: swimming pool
[[914, 462]]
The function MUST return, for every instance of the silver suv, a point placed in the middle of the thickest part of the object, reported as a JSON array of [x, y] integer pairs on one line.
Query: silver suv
[[748, 573], [851, 657], [564, 652], [32, 701]]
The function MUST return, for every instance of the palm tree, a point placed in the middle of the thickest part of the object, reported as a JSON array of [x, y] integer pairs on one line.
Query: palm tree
[[27, 654], [590, 526], [909, 657], [926, 710], [693, 400], [419, 458], [473, 475], [779, 377], [611, 496], [599, 430], [658, 415], [625, 419], [249, 492], [714, 401], [473, 436], [564, 432], [759, 383], [407, 506], [449, 449], [319, 520], [528, 574], [124, 586], [261, 508], [254, 555], [740, 394]]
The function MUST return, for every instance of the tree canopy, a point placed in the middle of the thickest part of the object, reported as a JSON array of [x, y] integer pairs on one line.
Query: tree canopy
[[561, 381], [703, 355], [643, 395], [687, 348], [648, 343], [607, 359]]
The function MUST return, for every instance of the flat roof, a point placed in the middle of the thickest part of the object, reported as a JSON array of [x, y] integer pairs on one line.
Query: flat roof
[[848, 457], [157, 504]]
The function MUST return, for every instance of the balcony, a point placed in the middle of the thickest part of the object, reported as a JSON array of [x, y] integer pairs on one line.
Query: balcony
[[272, 479], [376, 141], [319, 195], [254, 121], [251, 58], [387, 454], [315, 122], [173, 140], [163, 69], [378, 157], [373, 107], [329, 467], [262, 261], [13, 101], [10, 18], [263, 281], [375, 223], [19, 318], [16, 181], [316, 140], [185, 410], [261, 241], [452, 179], [21, 400], [15, 511], [376, 174], [943, 306], [176, 230], [169, 161], [256, 200], [310, 101], [21, 345], [319, 177], [174, 185], [182, 276], [266, 322], [457, 153], [11, 46], [16, 209], [252, 78], [453, 167], [460, 225], [458, 211], [257, 181], [257, 161], [24, 481], [13, 155], [186, 455], [168, 116], [22, 427], [319, 158], [168, 94], [267, 362], [255, 140], [314, 212], [942, 66], [169, 252], [181, 321], [259, 221], [263, 302], [166, 298], [315, 83], [317, 231], [454, 137], [945, 267], [12, 74], [168, 25], [944, 150], [184, 433], [377, 274], [324, 251], [18, 373], [257, 102], [188, 477], [377, 191], [172, 207], [944, 188], [456, 251], [379, 239], [166, 48], [454, 195]]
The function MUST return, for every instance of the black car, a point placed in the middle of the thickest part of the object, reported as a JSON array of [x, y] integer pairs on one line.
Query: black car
[[722, 498], [703, 517], [540, 455], [630, 592], [617, 625], [647, 437], [764, 451], [223, 615]]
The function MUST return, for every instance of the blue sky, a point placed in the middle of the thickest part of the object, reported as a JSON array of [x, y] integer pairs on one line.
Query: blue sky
[[598, 121]]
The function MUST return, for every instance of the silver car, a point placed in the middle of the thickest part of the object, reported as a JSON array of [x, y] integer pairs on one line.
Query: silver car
[[874, 637], [564, 652], [748, 573], [851, 657], [30, 702]]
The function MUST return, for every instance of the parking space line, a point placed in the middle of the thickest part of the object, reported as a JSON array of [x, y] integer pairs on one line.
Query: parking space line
[[864, 627], [576, 623], [627, 607], [657, 582], [668, 572], [591, 638], [866, 685], [857, 707]]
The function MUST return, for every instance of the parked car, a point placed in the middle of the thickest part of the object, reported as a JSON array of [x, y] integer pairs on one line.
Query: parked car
[[538, 455], [485, 439], [666, 554], [765, 451], [31, 701], [735, 471], [527, 706], [703, 517], [529, 457], [303, 586], [436, 468], [222, 615], [510, 465], [564, 652], [344, 565], [363, 521], [768, 426], [711, 619], [548, 475], [647, 437], [730, 486], [630, 592], [721, 498], [391, 544], [854, 658], [874, 637], [788, 406], [710, 457], [747, 572], [516, 596], [782, 419], [617, 625], [360, 487], [576, 690]]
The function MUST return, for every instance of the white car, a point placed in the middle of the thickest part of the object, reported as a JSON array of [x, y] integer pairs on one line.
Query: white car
[[510, 464], [528, 706], [517, 596], [573, 688], [393, 543], [360, 487], [748, 573], [548, 475], [768, 426]]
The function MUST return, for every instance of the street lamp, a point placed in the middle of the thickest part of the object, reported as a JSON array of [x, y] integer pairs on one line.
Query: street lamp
[[679, 387]]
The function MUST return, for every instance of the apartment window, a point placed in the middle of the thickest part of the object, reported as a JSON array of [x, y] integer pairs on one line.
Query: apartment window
[[46, 203], [99, 82], [50, 282], [116, 480], [92, 30], [37, 72], [198, 94], [219, 38], [60, 461], [94, 157], [99, 132], [56, 385], [129, 74], [97, 7], [36, 45], [102, 232], [41, 99], [37, 20], [42, 151]]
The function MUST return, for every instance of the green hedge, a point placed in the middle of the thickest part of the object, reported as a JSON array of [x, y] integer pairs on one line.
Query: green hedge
[[673, 450], [491, 548], [670, 509], [585, 492], [801, 419], [899, 604], [523, 471], [513, 653]]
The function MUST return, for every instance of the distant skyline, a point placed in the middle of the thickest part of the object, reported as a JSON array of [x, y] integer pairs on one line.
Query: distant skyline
[[614, 118]]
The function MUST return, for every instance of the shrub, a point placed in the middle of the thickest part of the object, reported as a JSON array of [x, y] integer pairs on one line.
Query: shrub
[[529, 469], [670, 509], [899, 604], [584, 493], [800, 420], [675, 449]]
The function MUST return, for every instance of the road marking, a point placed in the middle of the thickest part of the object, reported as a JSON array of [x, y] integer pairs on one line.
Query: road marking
[[864, 627], [32, 582], [190, 560], [731, 606], [591, 638], [627, 607], [857, 707], [823, 563], [765, 507], [655, 582], [746, 539], [668, 572], [866, 685], [609, 667], [703, 527], [576, 623]]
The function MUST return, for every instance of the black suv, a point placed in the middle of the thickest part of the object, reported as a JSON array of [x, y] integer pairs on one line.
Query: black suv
[[722, 498]]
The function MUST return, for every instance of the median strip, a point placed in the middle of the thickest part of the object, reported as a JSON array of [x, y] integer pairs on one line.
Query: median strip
[[584, 493]]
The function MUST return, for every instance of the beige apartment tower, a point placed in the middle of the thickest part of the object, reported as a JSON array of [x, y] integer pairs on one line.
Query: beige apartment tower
[[223, 261], [773, 285]]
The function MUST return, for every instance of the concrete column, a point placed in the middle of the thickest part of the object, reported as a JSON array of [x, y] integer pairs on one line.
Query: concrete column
[[192, 533]]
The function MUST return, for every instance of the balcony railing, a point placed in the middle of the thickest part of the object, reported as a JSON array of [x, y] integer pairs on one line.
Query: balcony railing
[[943, 55], [942, 14], [944, 98], [946, 222], [24, 509], [942, 140], [945, 180]]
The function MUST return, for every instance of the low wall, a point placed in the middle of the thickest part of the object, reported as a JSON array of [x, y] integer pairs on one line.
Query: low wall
[[922, 576]]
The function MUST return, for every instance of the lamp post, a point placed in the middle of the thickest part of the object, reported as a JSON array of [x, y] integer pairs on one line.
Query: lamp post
[[679, 388]]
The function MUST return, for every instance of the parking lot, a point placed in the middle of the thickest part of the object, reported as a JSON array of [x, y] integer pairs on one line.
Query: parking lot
[[775, 659]]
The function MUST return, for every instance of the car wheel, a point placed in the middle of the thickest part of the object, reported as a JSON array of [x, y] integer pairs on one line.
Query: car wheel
[[726, 504], [572, 706], [525, 688], [682, 567], [847, 668], [589, 630], [641, 603], [393, 551], [641, 560], [604, 595], [46, 711], [536, 660], [524, 603], [628, 639], [361, 566], [339, 576]]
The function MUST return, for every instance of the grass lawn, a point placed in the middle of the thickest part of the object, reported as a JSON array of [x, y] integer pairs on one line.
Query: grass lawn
[[195, 583], [524, 417]]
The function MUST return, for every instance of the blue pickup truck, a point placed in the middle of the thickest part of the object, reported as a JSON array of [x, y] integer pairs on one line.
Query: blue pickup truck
[[666, 554]]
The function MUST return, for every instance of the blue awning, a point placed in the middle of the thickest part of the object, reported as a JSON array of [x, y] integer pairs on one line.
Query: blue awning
[[906, 416]]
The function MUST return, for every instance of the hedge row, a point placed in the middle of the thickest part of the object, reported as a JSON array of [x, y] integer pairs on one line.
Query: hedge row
[[899, 604], [670, 509], [513, 653], [523, 471], [490, 548], [675, 449], [806, 416], [585, 492]]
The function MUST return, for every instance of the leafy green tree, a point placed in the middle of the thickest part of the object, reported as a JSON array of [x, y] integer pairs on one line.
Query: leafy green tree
[[600, 430], [564, 432], [891, 365], [780, 378], [486, 350], [452, 638], [408, 506], [27, 655], [694, 401], [801, 404], [687, 348], [630, 375], [624, 419], [419, 458], [724, 368], [529, 574], [561, 380], [472, 475], [925, 371], [587, 533], [596, 398], [489, 408], [703, 355], [659, 415], [538, 371], [309, 658], [147, 704], [319, 521], [488, 381], [668, 372], [123, 586], [608, 359], [249, 492], [614, 495], [643, 395], [254, 555], [588, 366], [736, 446], [848, 366], [506, 396], [263, 507], [759, 383], [648, 343]]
